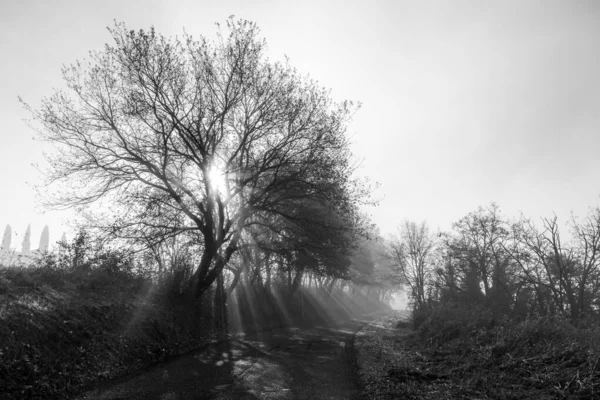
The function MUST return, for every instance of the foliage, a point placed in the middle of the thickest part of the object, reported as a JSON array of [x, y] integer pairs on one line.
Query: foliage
[[85, 253], [64, 329]]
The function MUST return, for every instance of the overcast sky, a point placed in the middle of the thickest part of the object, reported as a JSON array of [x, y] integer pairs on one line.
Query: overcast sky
[[464, 102]]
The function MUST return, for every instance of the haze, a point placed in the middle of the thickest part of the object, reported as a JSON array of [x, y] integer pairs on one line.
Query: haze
[[464, 102]]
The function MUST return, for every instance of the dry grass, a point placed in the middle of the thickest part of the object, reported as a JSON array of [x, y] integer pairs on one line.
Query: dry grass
[[467, 354], [61, 331], [378, 349]]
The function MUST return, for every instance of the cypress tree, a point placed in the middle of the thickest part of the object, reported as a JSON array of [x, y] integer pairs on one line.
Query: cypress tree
[[26, 246], [44, 240], [6, 239]]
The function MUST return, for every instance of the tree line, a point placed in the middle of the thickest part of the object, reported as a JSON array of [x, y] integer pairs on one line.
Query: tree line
[[512, 266], [207, 164], [5, 246]]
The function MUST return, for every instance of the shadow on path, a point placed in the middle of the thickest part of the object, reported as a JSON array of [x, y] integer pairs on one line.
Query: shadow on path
[[200, 375], [283, 364]]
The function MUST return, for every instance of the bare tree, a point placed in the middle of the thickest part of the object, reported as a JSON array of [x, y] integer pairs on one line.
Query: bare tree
[[156, 126], [412, 251], [565, 276], [586, 248], [478, 252]]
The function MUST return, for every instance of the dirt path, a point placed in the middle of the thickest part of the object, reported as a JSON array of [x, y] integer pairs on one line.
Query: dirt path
[[288, 363]]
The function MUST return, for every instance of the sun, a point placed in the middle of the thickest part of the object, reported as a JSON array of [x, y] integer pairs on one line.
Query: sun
[[216, 180]]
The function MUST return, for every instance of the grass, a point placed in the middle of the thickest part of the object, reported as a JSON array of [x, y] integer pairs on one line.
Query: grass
[[64, 331], [61, 331], [376, 353], [459, 353]]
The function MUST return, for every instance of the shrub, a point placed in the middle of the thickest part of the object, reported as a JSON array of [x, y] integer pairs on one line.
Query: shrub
[[177, 277], [419, 316], [445, 323]]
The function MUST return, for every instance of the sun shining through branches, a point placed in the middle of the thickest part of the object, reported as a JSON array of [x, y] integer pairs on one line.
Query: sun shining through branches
[[228, 175], [217, 181], [143, 119]]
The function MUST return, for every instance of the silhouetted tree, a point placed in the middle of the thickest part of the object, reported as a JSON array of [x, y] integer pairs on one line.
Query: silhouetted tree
[[412, 251], [479, 250], [211, 131], [565, 276]]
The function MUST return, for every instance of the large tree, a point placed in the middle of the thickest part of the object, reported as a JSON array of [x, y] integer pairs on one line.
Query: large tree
[[159, 128]]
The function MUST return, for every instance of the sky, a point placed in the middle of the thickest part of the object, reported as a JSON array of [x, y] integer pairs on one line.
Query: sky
[[464, 103]]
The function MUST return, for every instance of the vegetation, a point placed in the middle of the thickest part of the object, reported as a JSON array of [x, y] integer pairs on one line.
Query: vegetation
[[82, 315], [466, 353], [501, 310], [222, 188], [226, 202], [210, 142], [512, 268], [87, 313]]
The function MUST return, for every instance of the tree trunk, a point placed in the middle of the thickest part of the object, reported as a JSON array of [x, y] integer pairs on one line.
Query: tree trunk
[[295, 283], [236, 279], [204, 276], [268, 281], [220, 305]]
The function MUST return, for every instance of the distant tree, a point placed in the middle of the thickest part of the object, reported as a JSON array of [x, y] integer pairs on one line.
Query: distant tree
[[213, 132], [362, 263], [478, 247], [586, 250], [371, 267], [26, 245], [371, 264], [44, 240], [412, 251], [564, 276], [6, 240]]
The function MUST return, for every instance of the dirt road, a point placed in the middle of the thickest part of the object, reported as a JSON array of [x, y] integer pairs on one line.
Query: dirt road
[[288, 363]]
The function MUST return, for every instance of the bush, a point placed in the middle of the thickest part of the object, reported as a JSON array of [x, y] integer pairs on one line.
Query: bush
[[444, 323], [177, 278], [84, 253], [419, 316]]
